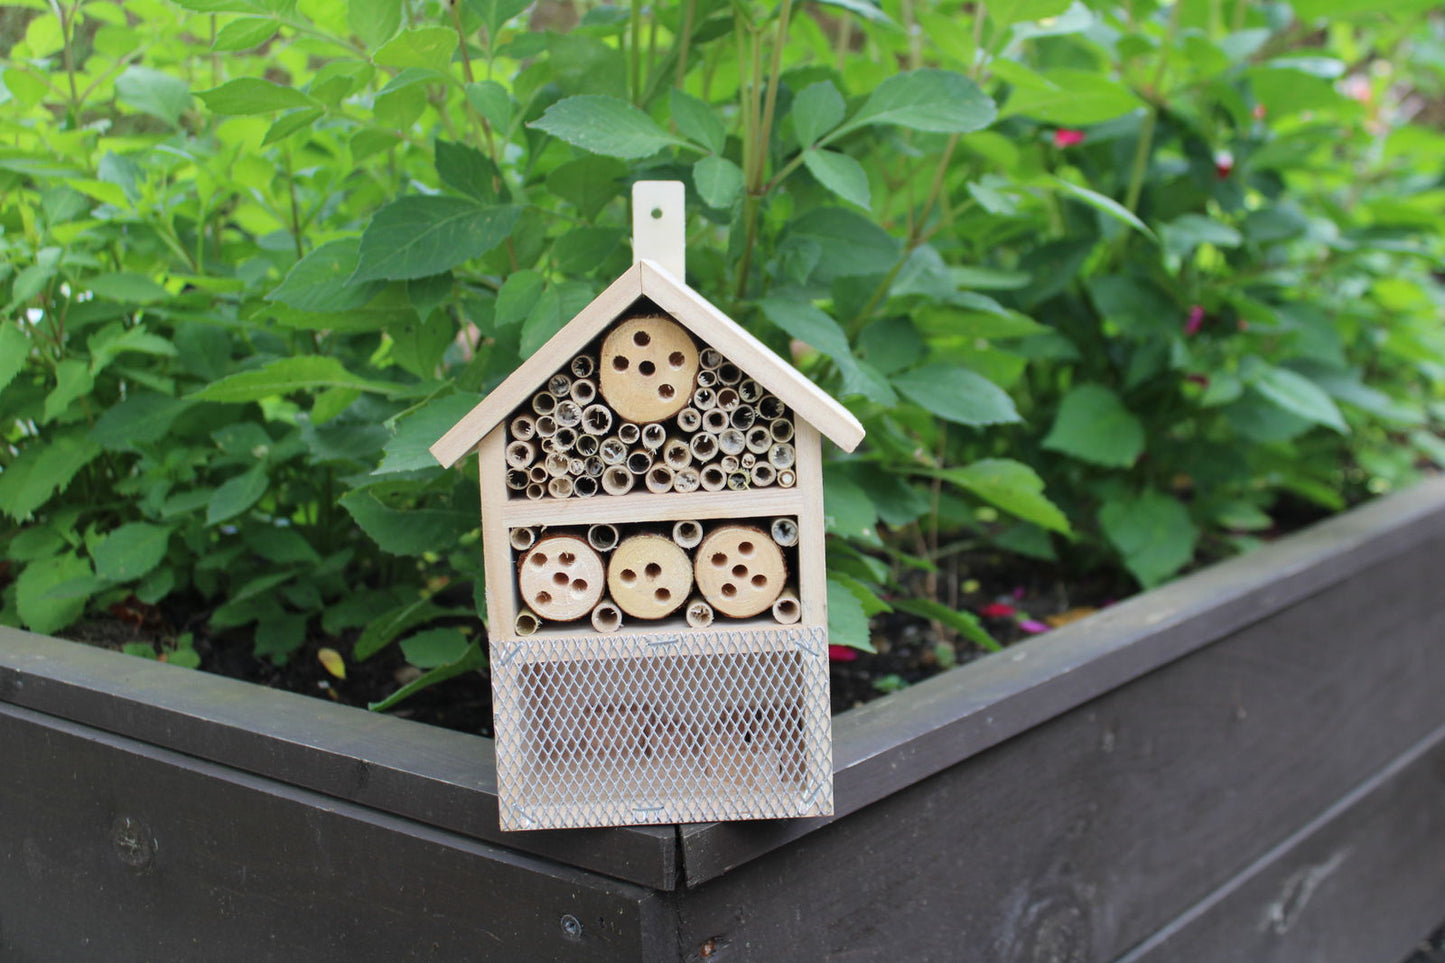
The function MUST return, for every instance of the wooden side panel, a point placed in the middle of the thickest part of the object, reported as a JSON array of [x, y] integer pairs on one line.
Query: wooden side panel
[[497, 553], [812, 561], [114, 851], [1081, 837]]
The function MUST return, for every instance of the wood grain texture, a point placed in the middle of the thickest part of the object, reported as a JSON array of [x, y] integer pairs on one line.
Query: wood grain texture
[[812, 542], [116, 851], [497, 568], [662, 238], [640, 506], [1081, 837]]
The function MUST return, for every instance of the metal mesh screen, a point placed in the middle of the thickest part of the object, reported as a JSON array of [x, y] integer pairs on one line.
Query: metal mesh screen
[[633, 729]]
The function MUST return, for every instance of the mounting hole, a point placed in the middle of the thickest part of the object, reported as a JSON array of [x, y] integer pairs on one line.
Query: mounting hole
[[619, 363], [653, 570], [641, 338], [657, 213], [646, 368]]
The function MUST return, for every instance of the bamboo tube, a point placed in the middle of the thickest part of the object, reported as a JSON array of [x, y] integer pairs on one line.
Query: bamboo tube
[[517, 480], [587, 445], [786, 609], [629, 433], [584, 487], [522, 539], [592, 466], [576, 466], [729, 463], [747, 460], [730, 441], [582, 366], [568, 414], [763, 475], [687, 534], [784, 532], [709, 358], [521, 454], [781, 429], [699, 613], [737, 481], [659, 479], [712, 478], [654, 436], [617, 480], [759, 440], [704, 399], [639, 461], [677, 454], [536, 490], [544, 402], [715, 420], [706, 378], [686, 480], [649, 577], [739, 570], [743, 417], [584, 391], [561, 578], [689, 420], [728, 373], [546, 426], [557, 464], [538, 473], [559, 385], [563, 440], [526, 623], [787, 478], [612, 451], [606, 617], [782, 456], [770, 408], [602, 537], [727, 399], [750, 391], [524, 426], [703, 446], [560, 487], [597, 419]]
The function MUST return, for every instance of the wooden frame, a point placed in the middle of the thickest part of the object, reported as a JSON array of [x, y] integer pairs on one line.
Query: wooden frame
[[1245, 764]]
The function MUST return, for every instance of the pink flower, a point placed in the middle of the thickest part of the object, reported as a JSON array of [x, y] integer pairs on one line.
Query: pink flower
[[1198, 379], [1223, 164], [997, 610], [842, 653], [1259, 111], [1195, 321], [1018, 593], [1032, 627], [1064, 137]]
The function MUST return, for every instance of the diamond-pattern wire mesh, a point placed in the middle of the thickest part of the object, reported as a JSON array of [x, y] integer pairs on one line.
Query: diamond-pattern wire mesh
[[635, 729]]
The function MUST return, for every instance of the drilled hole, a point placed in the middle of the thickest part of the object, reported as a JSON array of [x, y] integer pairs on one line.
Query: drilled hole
[[740, 571], [662, 595], [560, 578], [759, 581], [579, 586], [657, 213], [539, 559], [628, 575], [646, 369], [719, 559], [543, 598], [677, 359], [744, 549], [567, 558], [666, 392], [642, 339], [729, 590], [653, 570], [619, 363]]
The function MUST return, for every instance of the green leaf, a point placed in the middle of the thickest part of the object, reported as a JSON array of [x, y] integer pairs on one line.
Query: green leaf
[[543, 320], [1065, 96], [433, 647], [957, 394], [495, 13], [806, 322], [518, 296], [245, 33], [408, 450], [320, 281], [386, 627], [73, 379], [14, 352], [472, 661], [153, 92], [1006, 12], [1188, 231], [847, 623], [965, 624], [698, 122], [127, 288], [1299, 396], [428, 294], [719, 181], [287, 375], [938, 101], [252, 95], [1093, 425], [839, 173], [42, 470], [39, 613], [373, 21], [1105, 205], [1012, 486], [466, 170], [605, 125], [291, 122], [491, 100], [409, 531], [428, 47], [416, 237], [817, 109], [847, 509], [237, 494], [863, 8], [1153, 533], [131, 551]]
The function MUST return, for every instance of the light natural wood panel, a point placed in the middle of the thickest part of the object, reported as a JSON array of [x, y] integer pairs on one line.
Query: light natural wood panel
[[766, 634], [669, 507], [496, 546], [664, 238], [812, 554], [806, 399]]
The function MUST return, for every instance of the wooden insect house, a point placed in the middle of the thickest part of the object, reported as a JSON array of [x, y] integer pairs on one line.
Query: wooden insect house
[[652, 523]]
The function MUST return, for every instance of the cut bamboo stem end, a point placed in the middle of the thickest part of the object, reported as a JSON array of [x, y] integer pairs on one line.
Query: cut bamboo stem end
[[727, 399], [731, 442], [522, 538], [517, 480], [787, 478], [714, 420], [582, 366], [770, 408], [689, 420], [654, 436], [712, 478], [523, 427], [584, 487], [612, 451], [526, 623], [546, 426], [728, 373], [544, 402], [703, 446], [536, 491], [559, 385], [639, 461], [629, 433], [787, 610], [677, 454], [750, 391], [782, 455], [538, 474], [584, 391], [617, 480], [699, 614], [709, 358], [784, 532], [606, 617], [730, 463], [587, 445], [659, 479], [759, 440], [686, 480], [560, 487], [602, 537], [781, 429], [687, 534], [762, 475], [564, 439]]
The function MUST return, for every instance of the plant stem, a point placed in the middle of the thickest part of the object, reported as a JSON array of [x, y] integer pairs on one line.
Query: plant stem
[[775, 71], [636, 51], [684, 39]]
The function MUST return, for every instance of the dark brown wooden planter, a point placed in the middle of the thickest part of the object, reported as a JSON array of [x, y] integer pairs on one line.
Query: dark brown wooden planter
[[1248, 764]]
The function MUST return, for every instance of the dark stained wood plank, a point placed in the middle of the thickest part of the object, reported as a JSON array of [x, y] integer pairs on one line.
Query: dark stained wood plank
[[437, 776], [1361, 882], [889, 744], [112, 850], [1079, 838]]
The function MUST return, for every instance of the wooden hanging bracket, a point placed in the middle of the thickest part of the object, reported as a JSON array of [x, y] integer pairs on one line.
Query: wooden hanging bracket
[[659, 225]]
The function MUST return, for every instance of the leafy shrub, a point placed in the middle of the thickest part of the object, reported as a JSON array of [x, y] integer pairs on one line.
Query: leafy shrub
[[1169, 264]]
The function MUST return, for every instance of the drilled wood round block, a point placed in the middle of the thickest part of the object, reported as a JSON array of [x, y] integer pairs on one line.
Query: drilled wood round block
[[561, 578], [647, 369], [649, 577], [739, 570]]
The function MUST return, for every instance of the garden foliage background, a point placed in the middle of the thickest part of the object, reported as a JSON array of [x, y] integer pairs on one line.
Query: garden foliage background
[[1112, 284]]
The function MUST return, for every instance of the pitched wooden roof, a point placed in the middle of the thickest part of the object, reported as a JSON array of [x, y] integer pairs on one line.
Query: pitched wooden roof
[[648, 279]]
